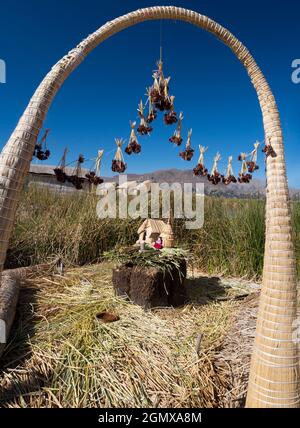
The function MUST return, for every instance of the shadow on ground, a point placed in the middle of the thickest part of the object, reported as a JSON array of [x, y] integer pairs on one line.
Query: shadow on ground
[[203, 290]]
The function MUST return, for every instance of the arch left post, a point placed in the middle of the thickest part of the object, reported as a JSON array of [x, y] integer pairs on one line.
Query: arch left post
[[15, 160]]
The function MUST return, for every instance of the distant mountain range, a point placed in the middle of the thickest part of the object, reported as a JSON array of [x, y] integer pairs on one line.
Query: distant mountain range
[[255, 189]]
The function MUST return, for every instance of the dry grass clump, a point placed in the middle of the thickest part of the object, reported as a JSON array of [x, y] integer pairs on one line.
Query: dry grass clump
[[60, 355]]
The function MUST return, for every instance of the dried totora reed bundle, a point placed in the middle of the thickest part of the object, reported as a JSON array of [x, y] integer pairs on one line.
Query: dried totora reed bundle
[[133, 145], [200, 169], [188, 153], [144, 128], [229, 176], [252, 164], [244, 176], [215, 177], [177, 138], [94, 176], [118, 164], [40, 151]]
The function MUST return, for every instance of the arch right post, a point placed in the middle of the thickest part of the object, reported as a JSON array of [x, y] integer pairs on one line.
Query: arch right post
[[274, 373]]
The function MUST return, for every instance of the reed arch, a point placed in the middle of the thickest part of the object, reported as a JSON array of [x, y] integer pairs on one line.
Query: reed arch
[[274, 374]]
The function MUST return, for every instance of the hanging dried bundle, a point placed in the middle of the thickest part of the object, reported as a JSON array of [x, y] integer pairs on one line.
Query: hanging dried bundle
[[144, 128], [154, 91], [229, 176], [244, 176], [61, 176], [133, 145], [215, 177], [177, 138], [268, 149], [40, 151], [252, 164], [159, 91], [118, 164], [152, 115], [76, 178], [94, 176], [200, 170], [171, 117], [188, 153]]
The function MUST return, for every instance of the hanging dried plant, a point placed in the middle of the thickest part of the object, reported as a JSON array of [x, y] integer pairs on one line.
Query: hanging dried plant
[[133, 145], [152, 115], [159, 91], [94, 176], [76, 178], [244, 176], [268, 149], [177, 138], [188, 153], [229, 176], [171, 117], [60, 173], [118, 164], [252, 164], [200, 170], [154, 91], [144, 128], [40, 151], [215, 177]]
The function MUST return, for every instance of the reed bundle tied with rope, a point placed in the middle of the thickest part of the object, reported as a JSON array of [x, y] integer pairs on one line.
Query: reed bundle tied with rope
[[215, 177], [133, 145], [93, 176], [200, 169], [118, 163], [188, 153], [177, 138], [143, 128]]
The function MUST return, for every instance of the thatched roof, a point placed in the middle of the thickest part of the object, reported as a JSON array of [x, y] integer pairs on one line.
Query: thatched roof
[[157, 226]]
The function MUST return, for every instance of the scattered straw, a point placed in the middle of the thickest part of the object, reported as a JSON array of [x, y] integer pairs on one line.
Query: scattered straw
[[60, 355]]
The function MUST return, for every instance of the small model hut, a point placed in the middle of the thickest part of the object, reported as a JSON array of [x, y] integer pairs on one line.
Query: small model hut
[[151, 230]]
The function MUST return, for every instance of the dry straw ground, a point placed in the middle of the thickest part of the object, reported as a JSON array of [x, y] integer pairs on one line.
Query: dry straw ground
[[60, 355]]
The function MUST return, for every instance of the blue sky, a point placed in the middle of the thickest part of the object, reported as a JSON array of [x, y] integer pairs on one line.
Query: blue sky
[[97, 101]]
